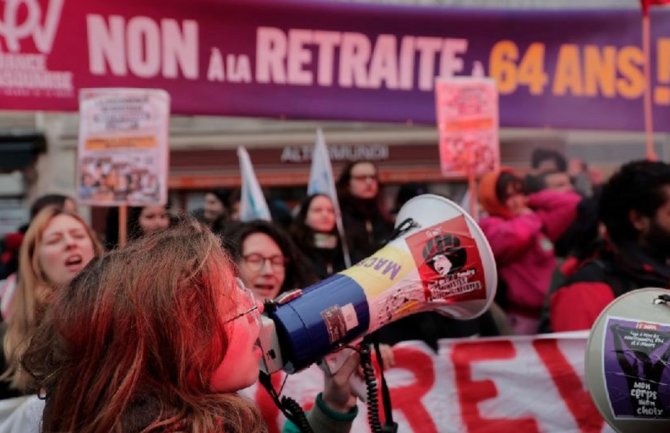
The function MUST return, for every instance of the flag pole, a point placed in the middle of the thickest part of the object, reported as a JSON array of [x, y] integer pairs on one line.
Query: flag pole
[[648, 108], [123, 223], [472, 185], [343, 240]]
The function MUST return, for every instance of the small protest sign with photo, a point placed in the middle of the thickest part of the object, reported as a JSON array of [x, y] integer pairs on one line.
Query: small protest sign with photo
[[123, 147]]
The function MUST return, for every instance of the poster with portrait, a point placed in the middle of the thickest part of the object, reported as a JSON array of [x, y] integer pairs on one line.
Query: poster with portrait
[[467, 123], [123, 147], [448, 262]]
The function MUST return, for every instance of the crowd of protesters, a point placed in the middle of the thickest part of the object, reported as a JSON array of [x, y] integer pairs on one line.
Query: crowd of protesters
[[564, 248]]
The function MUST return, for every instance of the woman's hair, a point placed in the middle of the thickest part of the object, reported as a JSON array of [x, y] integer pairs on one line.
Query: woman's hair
[[134, 228], [506, 179], [46, 200], [344, 180], [448, 246], [639, 186], [132, 344], [222, 195], [492, 191], [303, 234], [32, 294], [297, 275]]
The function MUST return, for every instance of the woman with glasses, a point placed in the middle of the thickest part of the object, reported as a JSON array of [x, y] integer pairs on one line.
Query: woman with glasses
[[157, 337], [366, 225], [314, 231], [267, 260]]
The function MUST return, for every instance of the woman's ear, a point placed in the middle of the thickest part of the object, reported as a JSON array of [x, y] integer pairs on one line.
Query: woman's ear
[[639, 221]]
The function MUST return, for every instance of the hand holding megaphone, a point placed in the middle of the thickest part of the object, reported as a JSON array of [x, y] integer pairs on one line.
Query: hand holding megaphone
[[440, 262]]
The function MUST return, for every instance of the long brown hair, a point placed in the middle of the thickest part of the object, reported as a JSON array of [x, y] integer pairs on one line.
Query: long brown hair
[[131, 345], [32, 294]]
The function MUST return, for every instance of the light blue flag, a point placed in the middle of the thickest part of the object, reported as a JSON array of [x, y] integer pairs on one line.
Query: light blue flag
[[252, 202], [321, 181]]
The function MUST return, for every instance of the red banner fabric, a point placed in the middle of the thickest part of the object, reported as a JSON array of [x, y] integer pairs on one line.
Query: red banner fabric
[[503, 385]]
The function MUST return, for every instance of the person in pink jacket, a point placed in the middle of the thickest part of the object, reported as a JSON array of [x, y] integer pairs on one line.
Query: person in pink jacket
[[521, 230]]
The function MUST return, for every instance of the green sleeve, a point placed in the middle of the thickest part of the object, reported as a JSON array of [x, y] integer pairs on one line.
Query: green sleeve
[[325, 420]]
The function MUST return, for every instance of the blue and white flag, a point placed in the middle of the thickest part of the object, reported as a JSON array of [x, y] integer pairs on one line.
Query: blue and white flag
[[252, 202], [321, 181]]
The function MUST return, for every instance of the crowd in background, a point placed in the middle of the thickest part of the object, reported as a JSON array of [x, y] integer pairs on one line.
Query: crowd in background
[[564, 246]]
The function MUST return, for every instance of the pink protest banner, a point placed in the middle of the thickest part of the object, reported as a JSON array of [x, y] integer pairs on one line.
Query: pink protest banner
[[123, 147], [467, 121], [336, 60], [502, 385]]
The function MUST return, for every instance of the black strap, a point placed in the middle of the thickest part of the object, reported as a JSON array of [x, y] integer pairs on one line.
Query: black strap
[[389, 425], [289, 407]]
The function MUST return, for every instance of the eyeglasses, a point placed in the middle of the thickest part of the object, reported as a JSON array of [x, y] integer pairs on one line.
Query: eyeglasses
[[255, 262], [247, 298], [364, 177]]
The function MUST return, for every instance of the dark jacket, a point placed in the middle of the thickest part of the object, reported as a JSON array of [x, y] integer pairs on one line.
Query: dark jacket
[[325, 261], [366, 228], [615, 270], [321, 418]]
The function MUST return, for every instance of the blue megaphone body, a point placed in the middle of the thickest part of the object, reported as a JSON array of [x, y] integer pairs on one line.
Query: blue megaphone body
[[440, 261]]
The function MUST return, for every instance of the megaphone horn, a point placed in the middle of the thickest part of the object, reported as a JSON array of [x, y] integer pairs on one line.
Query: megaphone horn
[[626, 362], [440, 262]]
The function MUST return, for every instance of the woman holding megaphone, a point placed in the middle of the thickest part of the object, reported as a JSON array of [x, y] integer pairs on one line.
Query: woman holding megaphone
[[159, 336]]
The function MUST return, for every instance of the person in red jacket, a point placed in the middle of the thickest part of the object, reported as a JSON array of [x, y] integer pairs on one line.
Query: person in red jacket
[[635, 209], [521, 230]]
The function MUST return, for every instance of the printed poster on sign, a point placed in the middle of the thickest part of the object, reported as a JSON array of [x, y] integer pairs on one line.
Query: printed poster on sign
[[467, 123], [635, 366], [123, 147], [448, 261]]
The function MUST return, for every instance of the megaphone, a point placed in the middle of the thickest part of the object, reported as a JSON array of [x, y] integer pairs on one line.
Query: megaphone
[[440, 262], [626, 362]]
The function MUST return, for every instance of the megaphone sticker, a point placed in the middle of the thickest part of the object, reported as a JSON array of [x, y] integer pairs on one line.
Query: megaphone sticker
[[381, 270], [635, 360], [387, 280], [448, 261]]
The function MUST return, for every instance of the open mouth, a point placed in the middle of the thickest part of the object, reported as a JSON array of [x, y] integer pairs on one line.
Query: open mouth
[[263, 289], [74, 261]]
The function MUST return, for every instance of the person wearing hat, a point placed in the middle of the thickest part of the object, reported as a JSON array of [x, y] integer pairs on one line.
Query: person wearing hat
[[521, 230]]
